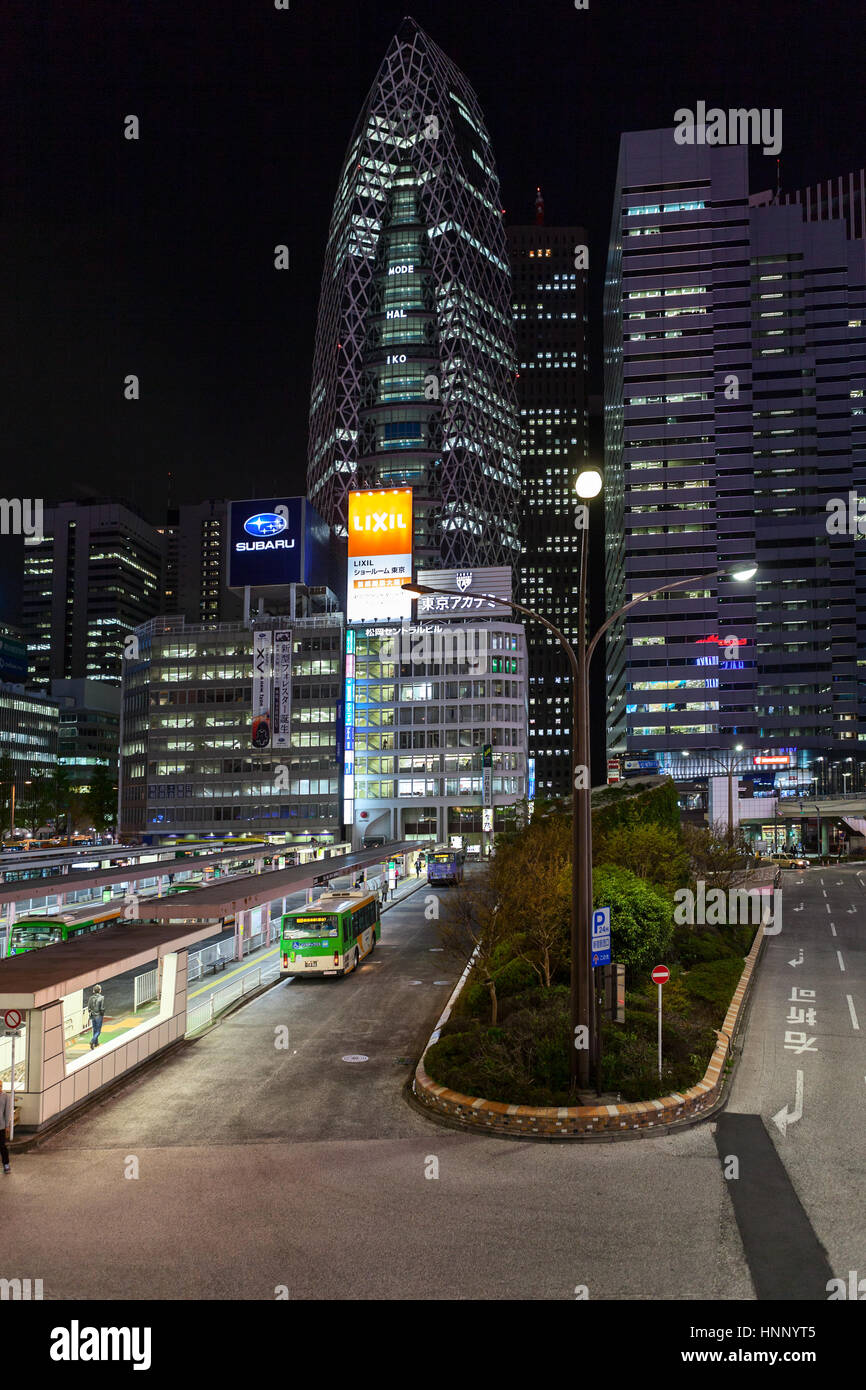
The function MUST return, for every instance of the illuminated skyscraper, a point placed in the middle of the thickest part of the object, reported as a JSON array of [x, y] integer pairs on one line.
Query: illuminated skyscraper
[[735, 354], [413, 377], [549, 326]]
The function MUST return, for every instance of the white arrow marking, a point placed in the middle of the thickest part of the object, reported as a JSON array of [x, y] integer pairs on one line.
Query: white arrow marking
[[784, 1117], [851, 909], [799, 909], [854, 1024], [799, 961]]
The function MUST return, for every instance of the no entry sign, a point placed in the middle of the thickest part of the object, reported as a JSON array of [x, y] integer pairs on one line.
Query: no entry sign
[[661, 975], [12, 1018]]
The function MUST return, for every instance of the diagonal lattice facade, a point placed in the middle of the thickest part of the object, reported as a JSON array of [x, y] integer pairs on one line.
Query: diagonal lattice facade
[[414, 369]]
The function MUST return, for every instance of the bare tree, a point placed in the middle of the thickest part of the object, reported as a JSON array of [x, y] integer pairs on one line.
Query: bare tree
[[476, 923]]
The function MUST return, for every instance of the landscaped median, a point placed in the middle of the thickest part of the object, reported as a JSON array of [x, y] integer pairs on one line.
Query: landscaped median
[[552, 1122]]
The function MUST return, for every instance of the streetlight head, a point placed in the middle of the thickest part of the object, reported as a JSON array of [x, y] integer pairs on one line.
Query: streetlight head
[[588, 483], [417, 590], [744, 572]]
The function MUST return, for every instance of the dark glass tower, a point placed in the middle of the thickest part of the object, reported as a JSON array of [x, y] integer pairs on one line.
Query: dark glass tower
[[549, 325], [413, 377]]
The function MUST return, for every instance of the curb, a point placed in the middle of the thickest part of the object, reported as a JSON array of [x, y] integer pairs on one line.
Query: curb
[[627, 1120]]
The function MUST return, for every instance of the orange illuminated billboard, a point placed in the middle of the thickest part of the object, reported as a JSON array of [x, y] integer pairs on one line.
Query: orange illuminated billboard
[[380, 555], [380, 522]]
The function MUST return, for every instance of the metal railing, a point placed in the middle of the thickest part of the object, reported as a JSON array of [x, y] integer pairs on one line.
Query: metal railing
[[146, 987], [203, 1014]]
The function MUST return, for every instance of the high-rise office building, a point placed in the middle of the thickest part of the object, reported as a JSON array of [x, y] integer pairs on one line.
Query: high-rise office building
[[735, 354], [549, 278], [28, 746], [413, 376], [196, 536], [89, 731], [92, 577]]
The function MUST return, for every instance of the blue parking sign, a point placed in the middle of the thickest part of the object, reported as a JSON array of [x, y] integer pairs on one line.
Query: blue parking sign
[[599, 951]]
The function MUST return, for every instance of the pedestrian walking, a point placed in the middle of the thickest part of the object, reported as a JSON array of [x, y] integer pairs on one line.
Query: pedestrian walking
[[7, 1100], [96, 1010]]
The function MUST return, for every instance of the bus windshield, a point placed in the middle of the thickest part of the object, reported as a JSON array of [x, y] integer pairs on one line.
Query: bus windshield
[[46, 934], [317, 924]]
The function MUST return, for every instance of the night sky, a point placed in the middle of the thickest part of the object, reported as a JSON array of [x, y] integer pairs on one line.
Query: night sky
[[156, 257]]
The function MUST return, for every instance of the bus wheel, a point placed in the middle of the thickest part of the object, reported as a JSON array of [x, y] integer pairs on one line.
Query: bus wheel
[[357, 957]]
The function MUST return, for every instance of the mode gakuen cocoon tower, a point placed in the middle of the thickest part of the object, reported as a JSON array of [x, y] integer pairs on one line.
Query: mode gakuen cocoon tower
[[413, 377]]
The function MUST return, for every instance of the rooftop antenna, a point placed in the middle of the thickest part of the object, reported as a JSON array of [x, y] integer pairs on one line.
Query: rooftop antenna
[[539, 208]]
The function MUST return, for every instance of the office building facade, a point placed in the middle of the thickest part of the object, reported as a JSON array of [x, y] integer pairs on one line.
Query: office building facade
[[548, 268], [193, 704], [413, 374], [196, 536], [735, 354], [89, 729], [29, 726]]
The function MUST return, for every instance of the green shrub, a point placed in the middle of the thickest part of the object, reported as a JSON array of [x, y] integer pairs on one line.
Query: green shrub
[[714, 982]]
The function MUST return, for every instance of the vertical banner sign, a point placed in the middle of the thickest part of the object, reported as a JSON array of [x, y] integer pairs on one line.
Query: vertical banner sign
[[282, 732], [262, 653], [487, 774]]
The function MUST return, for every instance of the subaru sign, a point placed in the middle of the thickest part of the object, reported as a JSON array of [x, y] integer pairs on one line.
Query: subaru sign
[[265, 543], [265, 524]]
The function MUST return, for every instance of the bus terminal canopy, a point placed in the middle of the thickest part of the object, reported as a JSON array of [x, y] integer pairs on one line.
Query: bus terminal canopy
[[222, 898], [36, 978], [77, 879]]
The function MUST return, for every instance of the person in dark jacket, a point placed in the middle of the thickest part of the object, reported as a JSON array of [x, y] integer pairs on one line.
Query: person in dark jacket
[[6, 1102], [96, 1009]]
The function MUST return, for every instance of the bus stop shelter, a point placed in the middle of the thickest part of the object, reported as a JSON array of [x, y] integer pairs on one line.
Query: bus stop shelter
[[39, 984]]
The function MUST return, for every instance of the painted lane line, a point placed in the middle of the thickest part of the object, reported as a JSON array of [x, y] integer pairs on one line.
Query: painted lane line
[[832, 929], [827, 905], [854, 1023], [841, 961], [824, 891]]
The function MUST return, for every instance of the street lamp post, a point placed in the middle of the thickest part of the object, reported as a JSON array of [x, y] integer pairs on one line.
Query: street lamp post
[[582, 1001]]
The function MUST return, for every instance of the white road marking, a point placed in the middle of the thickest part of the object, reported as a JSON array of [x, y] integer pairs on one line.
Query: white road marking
[[824, 891], [783, 1118], [827, 905], [833, 929], [841, 961], [854, 1023]]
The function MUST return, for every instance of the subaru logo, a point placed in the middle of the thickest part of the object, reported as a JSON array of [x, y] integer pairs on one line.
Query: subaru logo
[[265, 524]]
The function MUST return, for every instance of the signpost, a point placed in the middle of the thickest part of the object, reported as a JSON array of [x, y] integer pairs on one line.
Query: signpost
[[600, 940], [13, 1019], [660, 976]]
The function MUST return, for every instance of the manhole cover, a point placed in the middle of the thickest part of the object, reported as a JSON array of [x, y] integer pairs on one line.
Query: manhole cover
[[355, 1057]]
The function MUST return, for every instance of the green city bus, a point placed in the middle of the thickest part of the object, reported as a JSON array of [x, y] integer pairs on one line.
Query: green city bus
[[30, 934], [330, 936]]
